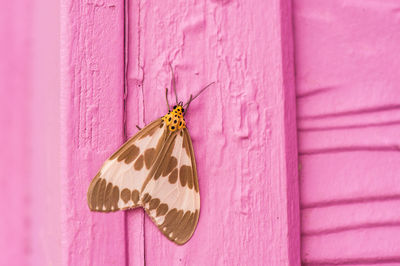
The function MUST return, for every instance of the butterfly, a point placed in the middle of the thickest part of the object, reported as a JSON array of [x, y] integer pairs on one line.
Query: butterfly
[[156, 170]]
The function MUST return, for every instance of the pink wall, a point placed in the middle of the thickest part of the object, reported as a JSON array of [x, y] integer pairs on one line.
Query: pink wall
[[348, 97], [70, 97]]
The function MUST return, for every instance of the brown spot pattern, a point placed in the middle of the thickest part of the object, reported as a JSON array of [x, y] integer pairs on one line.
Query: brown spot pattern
[[146, 198], [118, 151], [162, 209], [149, 132], [135, 196], [100, 198], [173, 162], [126, 195], [149, 156], [173, 176], [146, 131], [173, 225], [115, 198], [139, 163], [92, 193], [129, 154], [104, 197], [154, 204], [190, 178], [184, 174], [185, 145], [107, 196], [190, 149], [180, 224], [165, 162]]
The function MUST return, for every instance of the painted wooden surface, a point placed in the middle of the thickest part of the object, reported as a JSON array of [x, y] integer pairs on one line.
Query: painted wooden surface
[[347, 81], [243, 128], [114, 68], [92, 91]]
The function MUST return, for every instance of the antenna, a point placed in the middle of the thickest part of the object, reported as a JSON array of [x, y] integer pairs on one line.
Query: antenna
[[166, 98], [173, 83], [186, 106]]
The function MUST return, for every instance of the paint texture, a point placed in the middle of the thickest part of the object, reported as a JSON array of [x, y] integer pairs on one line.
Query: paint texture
[[347, 81], [113, 70]]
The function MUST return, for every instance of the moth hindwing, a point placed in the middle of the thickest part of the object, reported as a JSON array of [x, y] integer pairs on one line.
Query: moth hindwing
[[156, 170]]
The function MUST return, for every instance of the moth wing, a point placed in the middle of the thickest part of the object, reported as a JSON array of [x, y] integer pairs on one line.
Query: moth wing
[[170, 194], [119, 181]]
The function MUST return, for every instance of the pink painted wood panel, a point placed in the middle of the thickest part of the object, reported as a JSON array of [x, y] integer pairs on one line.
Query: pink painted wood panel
[[347, 76], [92, 95], [243, 127]]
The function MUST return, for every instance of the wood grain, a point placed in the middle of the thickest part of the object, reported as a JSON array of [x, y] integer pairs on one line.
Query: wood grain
[[348, 118]]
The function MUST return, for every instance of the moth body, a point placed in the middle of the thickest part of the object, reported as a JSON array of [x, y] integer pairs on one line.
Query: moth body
[[174, 119]]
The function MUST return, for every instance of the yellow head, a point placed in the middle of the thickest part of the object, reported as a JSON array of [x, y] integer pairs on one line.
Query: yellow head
[[174, 119]]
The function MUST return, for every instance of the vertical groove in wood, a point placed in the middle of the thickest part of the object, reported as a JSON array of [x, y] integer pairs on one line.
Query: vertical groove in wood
[[92, 96], [243, 128], [134, 116], [289, 112]]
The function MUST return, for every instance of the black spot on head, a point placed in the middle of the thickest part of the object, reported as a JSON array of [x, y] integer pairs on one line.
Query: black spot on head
[[175, 121], [169, 119], [172, 127], [180, 123], [183, 110], [174, 106]]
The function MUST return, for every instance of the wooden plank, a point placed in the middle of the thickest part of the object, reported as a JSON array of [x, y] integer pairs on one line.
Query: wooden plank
[[358, 216], [348, 117], [243, 128], [363, 177], [134, 116], [365, 245], [92, 38]]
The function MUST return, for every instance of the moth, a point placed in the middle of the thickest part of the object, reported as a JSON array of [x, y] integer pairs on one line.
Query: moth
[[156, 170]]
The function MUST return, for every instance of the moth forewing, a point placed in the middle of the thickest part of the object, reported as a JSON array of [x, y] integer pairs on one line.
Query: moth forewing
[[118, 183], [155, 169]]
